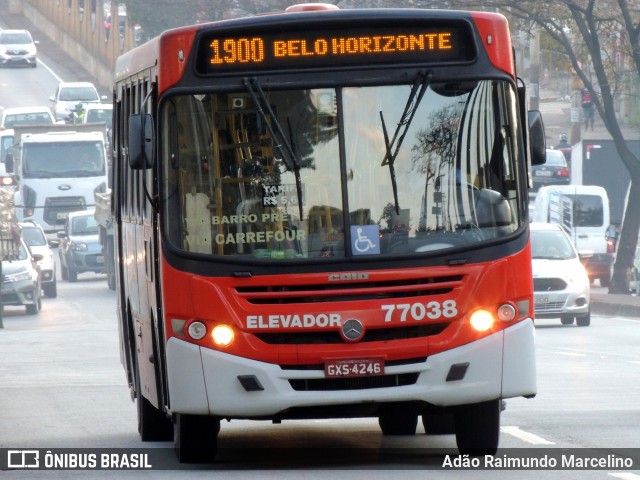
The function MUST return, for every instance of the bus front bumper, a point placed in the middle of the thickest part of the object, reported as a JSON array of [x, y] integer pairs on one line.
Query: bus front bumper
[[209, 382]]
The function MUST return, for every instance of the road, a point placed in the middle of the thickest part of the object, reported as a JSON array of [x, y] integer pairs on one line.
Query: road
[[63, 387]]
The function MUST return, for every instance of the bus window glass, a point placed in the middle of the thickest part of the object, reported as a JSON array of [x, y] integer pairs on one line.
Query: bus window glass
[[233, 189], [259, 174]]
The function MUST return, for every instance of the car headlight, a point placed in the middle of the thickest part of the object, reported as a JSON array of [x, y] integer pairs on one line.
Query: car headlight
[[17, 277], [79, 247], [46, 260]]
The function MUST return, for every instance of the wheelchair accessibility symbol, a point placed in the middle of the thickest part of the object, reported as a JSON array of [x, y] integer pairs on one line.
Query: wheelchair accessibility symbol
[[365, 239]]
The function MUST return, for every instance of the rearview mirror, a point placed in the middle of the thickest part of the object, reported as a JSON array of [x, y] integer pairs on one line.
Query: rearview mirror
[[537, 138]]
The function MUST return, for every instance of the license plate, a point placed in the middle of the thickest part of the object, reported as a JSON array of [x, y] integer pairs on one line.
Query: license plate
[[541, 299], [354, 367], [99, 259], [543, 173]]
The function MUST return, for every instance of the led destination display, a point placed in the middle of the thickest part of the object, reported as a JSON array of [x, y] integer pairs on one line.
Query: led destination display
[[274, 51]]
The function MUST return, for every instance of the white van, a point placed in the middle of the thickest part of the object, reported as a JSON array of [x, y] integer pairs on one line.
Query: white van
[[583, 211]]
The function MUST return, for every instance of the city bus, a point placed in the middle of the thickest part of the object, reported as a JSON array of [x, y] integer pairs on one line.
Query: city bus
[[323, 213]]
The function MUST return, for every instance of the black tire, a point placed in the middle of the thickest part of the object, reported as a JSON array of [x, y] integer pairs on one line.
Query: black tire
[[51, 289], [438, 423], [34, 308], [584, 321], [64, 273], [111, 281], [196, 438], [398, 419], [605, 281], [478, 428], [567, 321], [73, 275]]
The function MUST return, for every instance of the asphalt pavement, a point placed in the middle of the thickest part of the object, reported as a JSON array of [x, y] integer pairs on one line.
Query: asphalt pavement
[[555, 109]]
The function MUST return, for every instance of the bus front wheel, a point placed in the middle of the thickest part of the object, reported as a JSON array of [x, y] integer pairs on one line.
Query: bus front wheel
[[477, 428], [195, 437]]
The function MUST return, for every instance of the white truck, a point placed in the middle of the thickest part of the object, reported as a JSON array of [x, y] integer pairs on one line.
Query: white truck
[[58, 168], [583, 211]]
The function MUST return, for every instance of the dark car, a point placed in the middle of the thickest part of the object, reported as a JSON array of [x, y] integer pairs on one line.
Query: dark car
[[21, 280], [555, 171], [80, 249]]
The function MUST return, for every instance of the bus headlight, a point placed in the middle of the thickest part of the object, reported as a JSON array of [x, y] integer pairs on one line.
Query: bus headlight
[[222, 335], [481, 320], [197, 330]]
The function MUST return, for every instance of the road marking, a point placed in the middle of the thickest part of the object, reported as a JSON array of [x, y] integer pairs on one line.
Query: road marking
[[572, 354], [625, 476], [525, 436]]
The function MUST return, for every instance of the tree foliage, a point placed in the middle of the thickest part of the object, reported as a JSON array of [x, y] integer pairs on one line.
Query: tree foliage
[[602, 41]]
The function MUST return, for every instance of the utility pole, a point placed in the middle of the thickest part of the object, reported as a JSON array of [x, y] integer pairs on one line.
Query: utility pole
[[534, 65]]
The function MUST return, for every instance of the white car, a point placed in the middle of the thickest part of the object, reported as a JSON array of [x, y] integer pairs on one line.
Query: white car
[[69, 94], [19, 116], [17, 47], [34, 237], [98, 113], [560, 282]]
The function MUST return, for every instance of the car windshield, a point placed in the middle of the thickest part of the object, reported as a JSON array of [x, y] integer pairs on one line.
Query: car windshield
[[63, 159], [551, 245], [85, 94], [99, 115], [321, 173], [84, 225], [34, 237], [555, 158], [14, 38], [36, 118]]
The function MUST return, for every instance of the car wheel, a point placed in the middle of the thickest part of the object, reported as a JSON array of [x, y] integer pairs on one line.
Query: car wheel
[[584, 321], [478, 428], [396, 419], [636, 278], [51, 289], [605, 281], [111, 281], [73, 275], [567, 321], [64, 273], [34, 308]]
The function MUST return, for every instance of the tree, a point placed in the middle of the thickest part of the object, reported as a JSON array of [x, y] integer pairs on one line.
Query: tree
[[596, 36]]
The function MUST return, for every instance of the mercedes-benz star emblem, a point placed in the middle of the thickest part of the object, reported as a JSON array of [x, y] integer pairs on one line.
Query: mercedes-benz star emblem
[[352, 330]]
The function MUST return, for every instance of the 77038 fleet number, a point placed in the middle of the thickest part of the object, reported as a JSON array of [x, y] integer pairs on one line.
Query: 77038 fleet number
[[419, 311]]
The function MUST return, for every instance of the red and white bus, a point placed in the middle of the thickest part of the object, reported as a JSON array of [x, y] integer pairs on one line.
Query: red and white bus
[[323, 214]]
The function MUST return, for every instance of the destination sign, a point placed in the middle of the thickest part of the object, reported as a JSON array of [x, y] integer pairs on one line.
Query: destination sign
[[362, 46]]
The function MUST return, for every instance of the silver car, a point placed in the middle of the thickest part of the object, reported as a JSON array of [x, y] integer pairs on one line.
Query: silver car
[[560, 282], [80, 249], [21, 280]]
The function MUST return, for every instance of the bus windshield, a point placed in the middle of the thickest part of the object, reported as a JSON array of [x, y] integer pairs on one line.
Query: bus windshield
[[341, 172]]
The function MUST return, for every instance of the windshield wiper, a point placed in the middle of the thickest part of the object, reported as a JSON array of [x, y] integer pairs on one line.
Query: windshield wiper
[[392, 147], [275, 130]]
